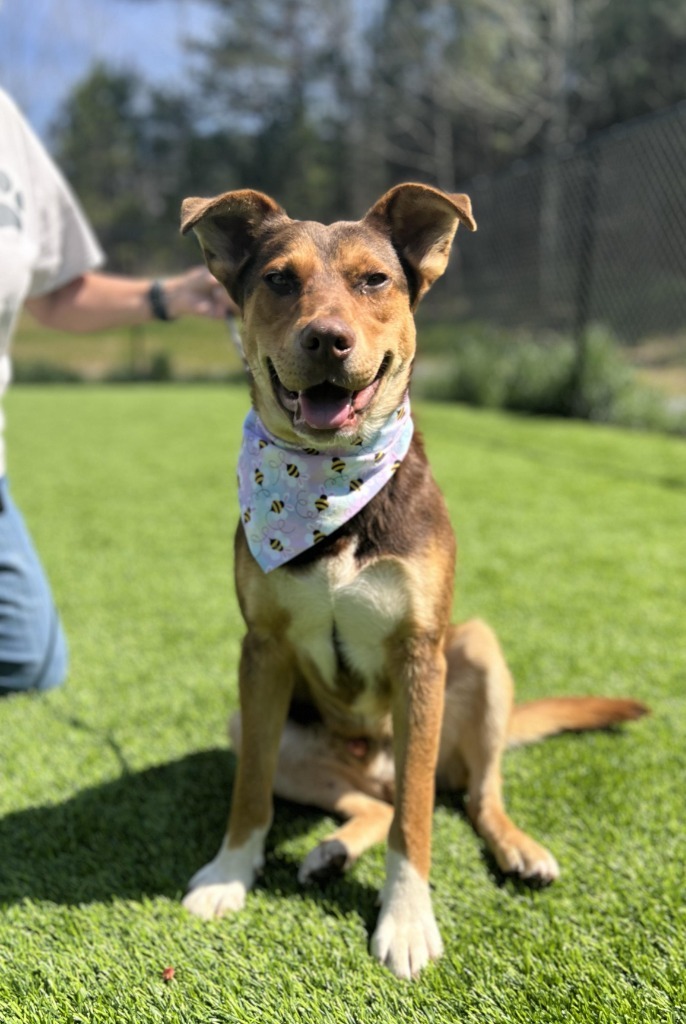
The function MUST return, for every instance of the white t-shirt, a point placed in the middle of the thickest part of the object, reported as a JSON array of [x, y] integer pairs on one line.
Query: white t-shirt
[[45, 240]]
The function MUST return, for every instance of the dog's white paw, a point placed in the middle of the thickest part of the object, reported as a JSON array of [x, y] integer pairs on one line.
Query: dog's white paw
[[406, 936], [220, 887], [406, 945], [215, 899]]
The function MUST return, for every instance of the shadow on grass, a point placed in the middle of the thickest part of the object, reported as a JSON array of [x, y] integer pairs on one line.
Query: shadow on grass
[[144, 835]]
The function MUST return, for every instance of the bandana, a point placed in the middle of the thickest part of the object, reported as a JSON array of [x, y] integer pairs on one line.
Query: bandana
[[291, 498]]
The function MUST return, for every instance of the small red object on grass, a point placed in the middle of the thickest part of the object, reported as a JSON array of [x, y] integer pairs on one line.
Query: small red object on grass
[[168, 974]]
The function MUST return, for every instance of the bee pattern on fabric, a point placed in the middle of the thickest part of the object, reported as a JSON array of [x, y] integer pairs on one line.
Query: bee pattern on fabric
[[293, 498]]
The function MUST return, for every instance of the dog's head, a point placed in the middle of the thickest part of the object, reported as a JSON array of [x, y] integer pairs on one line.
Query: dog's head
[[328, 330]]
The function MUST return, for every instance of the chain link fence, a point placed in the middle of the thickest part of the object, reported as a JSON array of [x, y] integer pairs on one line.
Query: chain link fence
[[594, 234], [591, 234]]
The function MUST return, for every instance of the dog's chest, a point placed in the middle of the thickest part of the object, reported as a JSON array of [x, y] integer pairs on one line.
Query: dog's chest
[[342, 619]]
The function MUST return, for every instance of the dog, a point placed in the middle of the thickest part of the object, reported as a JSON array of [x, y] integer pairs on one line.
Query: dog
[[357, 694]]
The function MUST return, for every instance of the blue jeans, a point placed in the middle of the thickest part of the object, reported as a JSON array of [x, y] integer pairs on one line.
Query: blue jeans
[[33, 649]]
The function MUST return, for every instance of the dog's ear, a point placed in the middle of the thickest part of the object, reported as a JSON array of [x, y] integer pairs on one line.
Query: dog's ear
[[421, 222], [227, 227]]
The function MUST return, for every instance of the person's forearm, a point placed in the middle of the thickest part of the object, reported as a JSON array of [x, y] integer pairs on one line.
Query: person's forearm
[[94, 302]]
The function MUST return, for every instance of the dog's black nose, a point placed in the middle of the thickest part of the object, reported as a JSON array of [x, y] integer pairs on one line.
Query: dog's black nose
[[328, 337]]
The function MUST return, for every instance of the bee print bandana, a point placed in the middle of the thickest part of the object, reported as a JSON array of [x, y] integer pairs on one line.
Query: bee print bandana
[[291, 498]]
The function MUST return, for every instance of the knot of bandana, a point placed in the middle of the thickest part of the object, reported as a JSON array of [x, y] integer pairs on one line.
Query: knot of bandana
[[291, 498]]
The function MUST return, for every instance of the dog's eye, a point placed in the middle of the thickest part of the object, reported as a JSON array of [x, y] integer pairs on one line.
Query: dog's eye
[[373, 281], [281, 282]]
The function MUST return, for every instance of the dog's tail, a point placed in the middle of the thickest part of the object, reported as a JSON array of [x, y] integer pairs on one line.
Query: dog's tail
[[537, 719]]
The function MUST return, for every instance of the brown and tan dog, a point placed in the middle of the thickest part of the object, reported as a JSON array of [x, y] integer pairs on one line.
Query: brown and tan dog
[[357, 694]]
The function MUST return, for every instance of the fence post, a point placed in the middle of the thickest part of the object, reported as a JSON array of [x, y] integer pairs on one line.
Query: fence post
[[585, 269], [136, 350]]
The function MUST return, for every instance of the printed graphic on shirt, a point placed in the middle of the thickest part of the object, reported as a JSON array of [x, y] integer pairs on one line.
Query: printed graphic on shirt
[[11, 204]]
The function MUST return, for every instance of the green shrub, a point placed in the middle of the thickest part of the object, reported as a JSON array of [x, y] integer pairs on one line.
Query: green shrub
[[160, 368], [538, 377], [44, 373], [478, 379], [599, 380], [484, 366]]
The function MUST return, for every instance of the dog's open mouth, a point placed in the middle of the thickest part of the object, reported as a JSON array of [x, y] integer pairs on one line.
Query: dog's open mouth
[[327, 406]]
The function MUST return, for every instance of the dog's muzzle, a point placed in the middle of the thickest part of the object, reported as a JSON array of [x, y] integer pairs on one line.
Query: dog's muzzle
[[327, 405]]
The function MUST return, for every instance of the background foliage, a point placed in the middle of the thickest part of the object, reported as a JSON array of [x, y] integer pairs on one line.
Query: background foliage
[[325, 103]]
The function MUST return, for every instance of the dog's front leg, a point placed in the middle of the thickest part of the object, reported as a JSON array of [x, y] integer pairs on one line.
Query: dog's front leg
[[266, 683], [407, 936]]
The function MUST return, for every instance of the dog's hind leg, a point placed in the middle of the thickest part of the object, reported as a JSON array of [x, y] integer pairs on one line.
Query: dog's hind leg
[[310, 772], [478, 708], [368, 822]]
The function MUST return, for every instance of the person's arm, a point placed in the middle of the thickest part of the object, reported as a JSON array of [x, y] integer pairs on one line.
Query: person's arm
[[95, 301]]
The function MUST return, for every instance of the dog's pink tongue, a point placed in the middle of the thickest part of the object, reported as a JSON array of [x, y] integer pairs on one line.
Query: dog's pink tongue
[[325, 408]]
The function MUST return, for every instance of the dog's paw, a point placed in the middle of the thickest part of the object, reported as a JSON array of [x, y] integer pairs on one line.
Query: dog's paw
[[215, 899], [406, 936], [328, 860], [527, 860], [220, 887], [406, 945]]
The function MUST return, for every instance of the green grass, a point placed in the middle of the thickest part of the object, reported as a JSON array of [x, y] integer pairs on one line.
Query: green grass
[[115, 788]]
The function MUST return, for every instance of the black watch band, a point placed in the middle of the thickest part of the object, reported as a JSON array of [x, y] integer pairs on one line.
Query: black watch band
[[157, 297]]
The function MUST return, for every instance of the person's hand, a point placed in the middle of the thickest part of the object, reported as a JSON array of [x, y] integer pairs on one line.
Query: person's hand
[[197, 293]]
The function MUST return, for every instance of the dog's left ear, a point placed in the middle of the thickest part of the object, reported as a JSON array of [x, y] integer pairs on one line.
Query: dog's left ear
[[227, 227], [421, 222]]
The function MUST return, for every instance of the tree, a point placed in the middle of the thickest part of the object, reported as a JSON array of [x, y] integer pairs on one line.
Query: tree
[[629, 60], [97, 142], [325, 103], [131, 154], [267, 74], [462, 86]]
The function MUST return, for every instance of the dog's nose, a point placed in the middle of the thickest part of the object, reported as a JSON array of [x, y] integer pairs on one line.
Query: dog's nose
[[326, 337]]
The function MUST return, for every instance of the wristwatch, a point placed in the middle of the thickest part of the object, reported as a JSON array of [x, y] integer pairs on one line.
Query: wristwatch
[[157, 297]]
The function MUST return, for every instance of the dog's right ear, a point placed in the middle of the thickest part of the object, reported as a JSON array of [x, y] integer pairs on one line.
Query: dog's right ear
[[227, 227]]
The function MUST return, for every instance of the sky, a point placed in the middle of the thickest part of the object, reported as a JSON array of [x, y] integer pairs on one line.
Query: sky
[[46, 46]]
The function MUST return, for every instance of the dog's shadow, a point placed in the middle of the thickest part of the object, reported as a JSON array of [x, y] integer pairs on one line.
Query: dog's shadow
[[143, 835]]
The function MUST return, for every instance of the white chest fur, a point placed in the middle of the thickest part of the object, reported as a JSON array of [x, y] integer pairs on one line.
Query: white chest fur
[[340, 612]]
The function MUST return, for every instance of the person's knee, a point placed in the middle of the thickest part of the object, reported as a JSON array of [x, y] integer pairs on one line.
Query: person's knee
[[41, 664], [33, 649]]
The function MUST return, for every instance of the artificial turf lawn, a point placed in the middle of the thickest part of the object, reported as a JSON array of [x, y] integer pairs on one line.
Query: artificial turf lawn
[[115, 789]]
